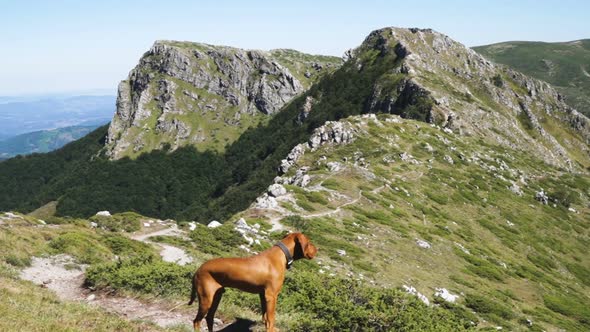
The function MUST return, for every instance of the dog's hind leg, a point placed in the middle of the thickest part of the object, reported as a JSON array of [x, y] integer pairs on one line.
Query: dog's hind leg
[[211, 314], [206, 293]]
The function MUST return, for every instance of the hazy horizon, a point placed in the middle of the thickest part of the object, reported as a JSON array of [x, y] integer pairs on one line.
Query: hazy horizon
[[74, 46]]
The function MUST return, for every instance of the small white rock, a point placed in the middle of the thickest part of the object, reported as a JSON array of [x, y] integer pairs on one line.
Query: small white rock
[[423, 244], [103, 213], [214, 224]]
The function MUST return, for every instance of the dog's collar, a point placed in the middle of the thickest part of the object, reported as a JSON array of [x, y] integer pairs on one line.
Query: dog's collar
[[286, 252]]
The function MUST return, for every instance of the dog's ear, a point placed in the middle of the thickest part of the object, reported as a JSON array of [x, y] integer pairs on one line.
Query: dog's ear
[[302, 241], [308, 249]]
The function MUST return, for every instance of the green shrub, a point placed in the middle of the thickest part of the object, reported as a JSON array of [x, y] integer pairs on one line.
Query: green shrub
[[581, 272], [18, 260], [305, 205], [571, 306], [541, 261], [295, 221], [345, 305], [126, 221], [488, 307], [85, 247], [143, 274], [332, 184], [125, 247], [316, 197], [217, 241]]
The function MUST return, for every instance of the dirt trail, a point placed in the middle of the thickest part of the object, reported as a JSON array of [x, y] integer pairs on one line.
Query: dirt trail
[[64, 277], [169, 253]]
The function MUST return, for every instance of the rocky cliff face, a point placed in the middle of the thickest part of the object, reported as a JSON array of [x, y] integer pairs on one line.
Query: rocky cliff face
[[196, 94], [441, 81]]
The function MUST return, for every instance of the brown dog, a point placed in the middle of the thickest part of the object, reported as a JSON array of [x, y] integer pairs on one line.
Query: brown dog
[[261, 274]]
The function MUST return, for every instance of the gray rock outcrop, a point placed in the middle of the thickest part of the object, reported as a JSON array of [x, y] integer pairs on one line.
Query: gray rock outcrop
[[178, 86]]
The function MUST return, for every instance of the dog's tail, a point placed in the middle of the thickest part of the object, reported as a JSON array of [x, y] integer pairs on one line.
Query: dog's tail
[[193, 290]]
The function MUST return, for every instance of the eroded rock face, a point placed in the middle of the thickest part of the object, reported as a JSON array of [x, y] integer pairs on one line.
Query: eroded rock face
[[445, 83], [187, 93]]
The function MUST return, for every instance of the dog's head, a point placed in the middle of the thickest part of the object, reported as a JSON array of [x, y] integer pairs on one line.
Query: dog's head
[[303, 247]]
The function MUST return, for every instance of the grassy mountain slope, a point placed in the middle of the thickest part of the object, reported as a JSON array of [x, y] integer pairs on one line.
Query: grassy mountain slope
[[452, 196], [509, 257], [206, 96], [126, 267], [42, 141], [564, 65], [394, 71]]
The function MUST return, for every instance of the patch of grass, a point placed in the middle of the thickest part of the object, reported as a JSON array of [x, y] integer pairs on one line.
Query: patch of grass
[[571, 306], [487, 307], [219, 241], [332, 184], [126, 221], [142, 274], [581, 272], [85, 247]]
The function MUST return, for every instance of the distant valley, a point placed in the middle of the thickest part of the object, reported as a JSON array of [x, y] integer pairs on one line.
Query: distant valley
[[20, 115], [43, 140]]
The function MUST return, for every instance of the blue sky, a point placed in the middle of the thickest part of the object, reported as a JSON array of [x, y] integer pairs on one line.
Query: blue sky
[[57, 46]]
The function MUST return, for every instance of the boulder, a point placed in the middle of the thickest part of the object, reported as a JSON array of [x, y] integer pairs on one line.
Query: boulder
[[212, 224], [276, 190], [445, 295], [266, 202]]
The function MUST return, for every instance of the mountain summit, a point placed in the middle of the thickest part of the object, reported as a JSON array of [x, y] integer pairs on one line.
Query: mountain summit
[[184, 93], [472, 96]]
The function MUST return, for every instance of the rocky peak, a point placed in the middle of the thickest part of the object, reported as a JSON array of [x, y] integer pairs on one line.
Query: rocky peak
[[184, 93], [439, 80]]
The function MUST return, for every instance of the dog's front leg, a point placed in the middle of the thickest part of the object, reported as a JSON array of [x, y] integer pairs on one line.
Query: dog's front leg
[[270, 298]]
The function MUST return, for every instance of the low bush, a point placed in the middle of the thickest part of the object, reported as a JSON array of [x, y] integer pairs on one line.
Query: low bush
[[571, 306], [217, 241], [488, 307], [346, 305], [143, 274], [86, 248], [581, 272], [126, 221]]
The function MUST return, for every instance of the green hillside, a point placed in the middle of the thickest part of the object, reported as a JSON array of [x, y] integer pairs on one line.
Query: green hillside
[[415, 167], [564, 65], [42, 141]]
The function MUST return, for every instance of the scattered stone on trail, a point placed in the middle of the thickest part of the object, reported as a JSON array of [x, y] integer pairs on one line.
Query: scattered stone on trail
[[341, 252]]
